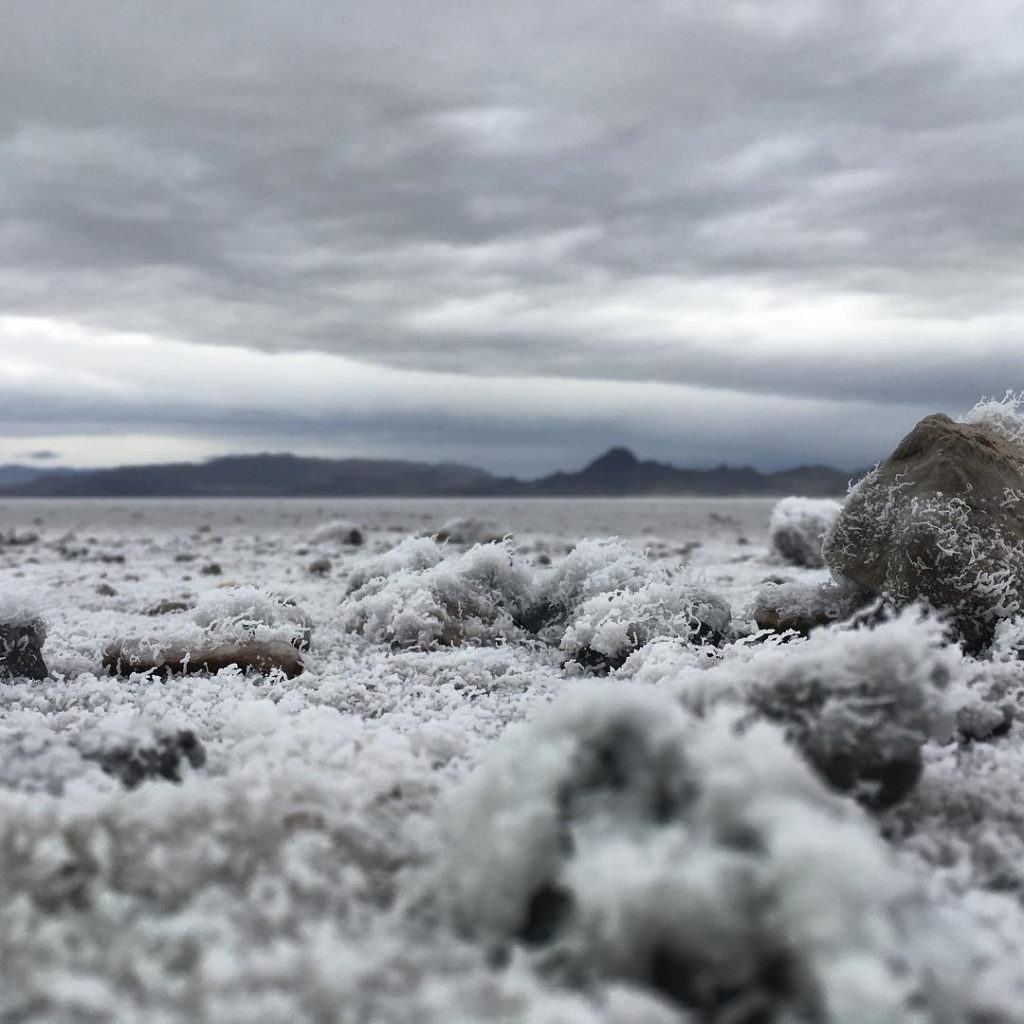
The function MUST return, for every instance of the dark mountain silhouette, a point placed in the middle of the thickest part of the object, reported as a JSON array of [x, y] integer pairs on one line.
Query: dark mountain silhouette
[[12, 475], [258, 476], [616, 473]]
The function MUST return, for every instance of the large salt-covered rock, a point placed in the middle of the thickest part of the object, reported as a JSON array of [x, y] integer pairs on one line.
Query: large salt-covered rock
[[798, 526], [941, 520]]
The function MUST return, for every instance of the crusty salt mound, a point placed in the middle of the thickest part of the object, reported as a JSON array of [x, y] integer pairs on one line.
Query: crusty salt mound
[[592, 567], [797, 528], [608, 628], [413, 554], [472, 530], [235, 612], [471, 597]]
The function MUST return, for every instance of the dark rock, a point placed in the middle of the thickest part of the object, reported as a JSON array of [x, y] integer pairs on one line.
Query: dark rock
[[548, 909], [981, 720], [319, 567], [21, 650], [162, 758], [213, 569], [167, 607], [13, 539], [125, 657], [106, 590], [537, 616], [942, 521], [341, 531]]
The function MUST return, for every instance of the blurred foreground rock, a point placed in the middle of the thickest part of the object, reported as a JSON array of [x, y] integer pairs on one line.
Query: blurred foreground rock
[[162, 756], [941, 520]]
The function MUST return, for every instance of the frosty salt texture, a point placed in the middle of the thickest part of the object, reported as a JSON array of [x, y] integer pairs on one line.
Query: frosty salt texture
[[592, 567], [607, 628], [475, 596], [1004, 416]]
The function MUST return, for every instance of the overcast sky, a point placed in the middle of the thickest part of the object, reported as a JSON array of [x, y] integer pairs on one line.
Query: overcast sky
[[506, 233]]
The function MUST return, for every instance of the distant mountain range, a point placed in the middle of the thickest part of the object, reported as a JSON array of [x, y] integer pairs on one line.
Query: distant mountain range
[[616, 473], [11, 475]]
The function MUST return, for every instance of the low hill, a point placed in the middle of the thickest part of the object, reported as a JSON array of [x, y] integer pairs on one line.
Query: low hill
[[616, 473]]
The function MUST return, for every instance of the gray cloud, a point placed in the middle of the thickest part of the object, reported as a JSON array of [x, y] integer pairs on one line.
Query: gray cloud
[[805, 199]]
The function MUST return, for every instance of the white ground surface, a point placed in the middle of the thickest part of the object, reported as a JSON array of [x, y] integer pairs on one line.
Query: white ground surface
[[363, 840]]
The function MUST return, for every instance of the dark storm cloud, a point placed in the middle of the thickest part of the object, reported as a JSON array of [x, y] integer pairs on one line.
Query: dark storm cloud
[[799, 198]]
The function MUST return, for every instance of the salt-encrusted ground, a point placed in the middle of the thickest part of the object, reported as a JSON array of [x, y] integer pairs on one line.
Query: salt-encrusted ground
[[660, 844]]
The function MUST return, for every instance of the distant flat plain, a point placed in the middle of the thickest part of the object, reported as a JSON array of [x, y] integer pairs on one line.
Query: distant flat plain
[[672, 519]]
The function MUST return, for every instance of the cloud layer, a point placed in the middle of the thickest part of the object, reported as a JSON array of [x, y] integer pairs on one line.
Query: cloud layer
[[499, 218]]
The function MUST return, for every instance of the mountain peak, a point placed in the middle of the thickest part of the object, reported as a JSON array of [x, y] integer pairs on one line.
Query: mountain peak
[[615, 460]]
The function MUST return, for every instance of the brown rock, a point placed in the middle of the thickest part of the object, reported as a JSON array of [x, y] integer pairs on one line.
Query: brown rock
[[801, 607], [123, 657], [941, 520], [168, 607]]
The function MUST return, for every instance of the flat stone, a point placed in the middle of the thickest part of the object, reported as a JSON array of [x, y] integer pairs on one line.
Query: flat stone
[[125, 657]]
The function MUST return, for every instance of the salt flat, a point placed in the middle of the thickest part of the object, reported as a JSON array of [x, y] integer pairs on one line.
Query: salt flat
[[465, 825]]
